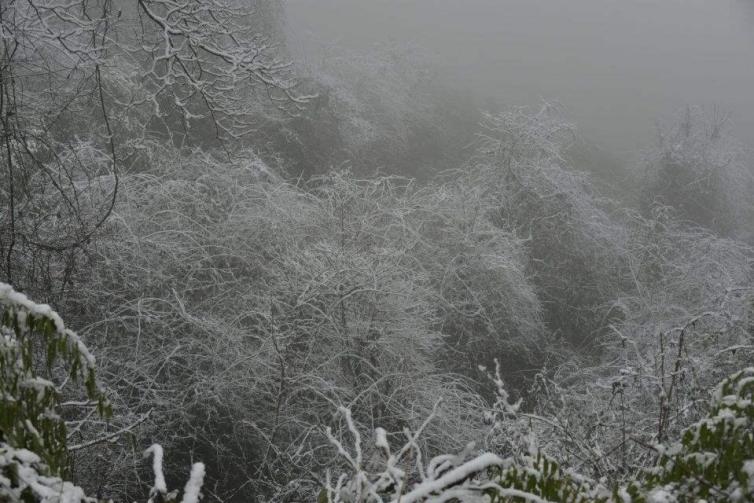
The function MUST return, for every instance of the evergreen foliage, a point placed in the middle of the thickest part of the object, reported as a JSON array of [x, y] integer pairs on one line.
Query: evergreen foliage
[[34, 342]]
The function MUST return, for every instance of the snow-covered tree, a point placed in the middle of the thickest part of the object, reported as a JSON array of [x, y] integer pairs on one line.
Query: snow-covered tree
[[88, 86], [699, 170], [574, 247]]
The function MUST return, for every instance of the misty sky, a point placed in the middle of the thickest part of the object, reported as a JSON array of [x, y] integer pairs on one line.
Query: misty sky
[[616, 65]]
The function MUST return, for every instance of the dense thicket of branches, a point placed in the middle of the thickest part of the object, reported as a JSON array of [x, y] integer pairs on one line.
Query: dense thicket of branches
[[170, 187]]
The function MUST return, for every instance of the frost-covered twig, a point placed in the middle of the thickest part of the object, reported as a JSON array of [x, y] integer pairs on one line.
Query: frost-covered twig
[[192, 490], [110, 436], [159, 478], [191, 493], [391, 483]]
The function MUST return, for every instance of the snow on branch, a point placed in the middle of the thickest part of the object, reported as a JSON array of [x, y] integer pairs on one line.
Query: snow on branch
[[464, 478]]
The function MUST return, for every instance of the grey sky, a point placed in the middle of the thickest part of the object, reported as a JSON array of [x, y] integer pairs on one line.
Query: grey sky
[[616, 65]]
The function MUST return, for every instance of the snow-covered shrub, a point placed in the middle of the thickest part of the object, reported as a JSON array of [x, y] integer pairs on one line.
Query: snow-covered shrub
[[519, 471], [36, 346], [391, 111], [34, 454], [573, 246], [700, 171], [25, 477], [34, 341], [537, 477], [714, 459], [240, 309], [404, 474], [85, 96], [659, 311], [684, 326], [486, 302]]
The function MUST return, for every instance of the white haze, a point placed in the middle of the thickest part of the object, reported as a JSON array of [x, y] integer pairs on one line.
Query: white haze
[[617, 66]]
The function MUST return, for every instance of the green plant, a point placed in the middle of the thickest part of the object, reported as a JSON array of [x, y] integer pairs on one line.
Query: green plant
[[714, 459], [33, 450], [34, 341]]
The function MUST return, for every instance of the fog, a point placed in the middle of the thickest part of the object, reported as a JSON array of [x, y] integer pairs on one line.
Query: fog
[[616, 66], [376, 251]]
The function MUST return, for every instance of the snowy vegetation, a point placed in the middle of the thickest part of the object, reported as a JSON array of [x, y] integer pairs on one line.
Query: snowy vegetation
[[712, 461], [337, 281]]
